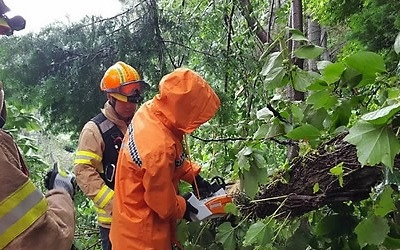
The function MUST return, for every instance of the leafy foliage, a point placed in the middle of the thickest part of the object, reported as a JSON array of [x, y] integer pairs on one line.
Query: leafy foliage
[[57, 72]]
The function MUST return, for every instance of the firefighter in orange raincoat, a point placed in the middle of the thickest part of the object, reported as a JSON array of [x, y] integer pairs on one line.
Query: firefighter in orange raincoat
[[152, 162]]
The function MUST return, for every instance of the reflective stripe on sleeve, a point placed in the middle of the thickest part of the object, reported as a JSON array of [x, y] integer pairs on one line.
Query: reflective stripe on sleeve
[[103, 196], [19, 211], [86, 157], [103, 216]]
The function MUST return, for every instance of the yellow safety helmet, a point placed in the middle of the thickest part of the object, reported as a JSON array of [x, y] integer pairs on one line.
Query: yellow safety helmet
[[123, 82]]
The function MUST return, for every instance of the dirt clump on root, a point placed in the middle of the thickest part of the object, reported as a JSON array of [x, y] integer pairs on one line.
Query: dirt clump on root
[[297, 196]]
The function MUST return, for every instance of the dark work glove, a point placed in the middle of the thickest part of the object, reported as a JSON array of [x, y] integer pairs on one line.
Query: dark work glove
[[57, 179], [189, 207], [204, 187]]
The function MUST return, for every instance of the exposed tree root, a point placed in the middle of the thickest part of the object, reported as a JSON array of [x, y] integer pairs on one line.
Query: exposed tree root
[[297, 197]]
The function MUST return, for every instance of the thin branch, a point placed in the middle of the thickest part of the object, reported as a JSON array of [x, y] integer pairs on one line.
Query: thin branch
[[221, 139], [242, 139], [276, 113], [187, 47], [247, 12], [228, 21], [271, 14]]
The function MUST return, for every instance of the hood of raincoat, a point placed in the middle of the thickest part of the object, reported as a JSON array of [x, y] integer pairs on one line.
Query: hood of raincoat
[[185, 101]]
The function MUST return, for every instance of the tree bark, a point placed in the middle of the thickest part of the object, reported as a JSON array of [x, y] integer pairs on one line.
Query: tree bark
[[247, 9], [296, 21], [314, 36]]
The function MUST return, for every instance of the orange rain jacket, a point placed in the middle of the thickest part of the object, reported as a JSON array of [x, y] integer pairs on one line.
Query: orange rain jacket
[[28, 219], [88, 165], [152, 162]]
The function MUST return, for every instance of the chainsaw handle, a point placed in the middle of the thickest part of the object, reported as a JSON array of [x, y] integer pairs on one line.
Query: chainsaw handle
[[219, 181]]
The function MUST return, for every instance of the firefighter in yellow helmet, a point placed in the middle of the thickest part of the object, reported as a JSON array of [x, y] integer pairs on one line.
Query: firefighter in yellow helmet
[[101, 137], [29, 219]]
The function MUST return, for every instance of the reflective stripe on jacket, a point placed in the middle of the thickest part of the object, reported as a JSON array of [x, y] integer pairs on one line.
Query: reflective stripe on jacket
[[20, 210], [88, 165], [152, 162], [29, 220]]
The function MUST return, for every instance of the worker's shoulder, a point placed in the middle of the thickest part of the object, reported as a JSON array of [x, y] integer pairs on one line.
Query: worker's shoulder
[[90, 129], [6, 137]]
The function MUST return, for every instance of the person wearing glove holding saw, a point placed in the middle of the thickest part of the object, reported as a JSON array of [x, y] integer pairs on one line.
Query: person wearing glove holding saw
[[152, 161], [29, 219]]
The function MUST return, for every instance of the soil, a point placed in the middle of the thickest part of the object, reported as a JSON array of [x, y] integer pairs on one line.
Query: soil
[[297, 197]]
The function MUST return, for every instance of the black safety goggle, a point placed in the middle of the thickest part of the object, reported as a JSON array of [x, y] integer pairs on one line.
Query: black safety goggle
[[135, 98], [130, 88]]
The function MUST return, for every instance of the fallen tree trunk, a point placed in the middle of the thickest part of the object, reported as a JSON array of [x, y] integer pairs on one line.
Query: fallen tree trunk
[[297, 196]]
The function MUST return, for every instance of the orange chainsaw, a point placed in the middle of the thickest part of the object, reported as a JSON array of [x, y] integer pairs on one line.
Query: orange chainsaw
[[212, 206]]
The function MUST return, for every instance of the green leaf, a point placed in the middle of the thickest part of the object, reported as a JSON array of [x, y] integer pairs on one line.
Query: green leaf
[[374, 144], [261, 132], [243, 161], [226, 236], [300, 238], [264, 113], [335, 225], [316, 117], [391, 243], [274, 128], [246, 151], [259, 233], [259, 160], [321, 65], [317, 85], [322, 99], [337, 170], [332, 72], [368, 63], [316, 188], [340, 116], [302, 79], [275, 78], [250, 182], [305, 131], [394, 177], [297, 113], [393, 93], [231, 208], [372, 231], [397, 44], [297, 35], [273, 61], [308, 51], [351, 77], [182, 231], [385, 203], [383, 115]]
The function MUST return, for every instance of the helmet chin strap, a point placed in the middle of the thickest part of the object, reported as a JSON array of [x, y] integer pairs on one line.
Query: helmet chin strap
[[112, 100]]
